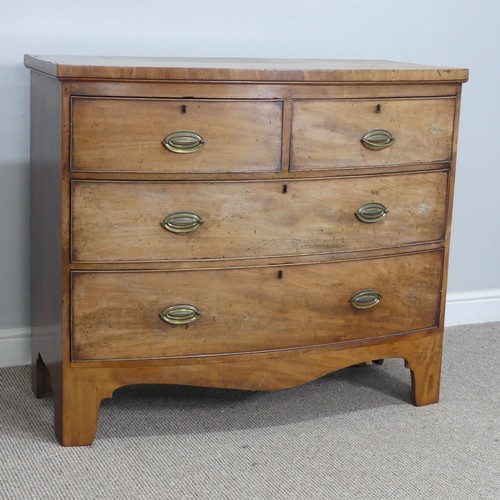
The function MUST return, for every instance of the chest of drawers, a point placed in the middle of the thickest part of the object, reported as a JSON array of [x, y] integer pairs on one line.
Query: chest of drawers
[[246, 224]]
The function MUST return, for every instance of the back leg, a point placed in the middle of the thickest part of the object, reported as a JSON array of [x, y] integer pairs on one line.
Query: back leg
[[40, 378]]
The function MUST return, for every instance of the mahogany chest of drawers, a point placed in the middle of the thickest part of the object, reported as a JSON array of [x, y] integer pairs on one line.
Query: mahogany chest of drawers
[[247, 224]]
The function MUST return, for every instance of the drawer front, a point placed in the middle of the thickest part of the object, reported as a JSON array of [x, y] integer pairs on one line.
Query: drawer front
[[122, 221], [116, 315], [328, 134], [126, 135]]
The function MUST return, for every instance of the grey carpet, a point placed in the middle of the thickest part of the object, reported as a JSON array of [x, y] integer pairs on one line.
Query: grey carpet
[[350, 435]]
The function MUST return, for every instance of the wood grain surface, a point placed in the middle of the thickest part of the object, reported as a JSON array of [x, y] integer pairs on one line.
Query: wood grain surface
[[264, 90], [127, 135], [120, 221], [218, 69], [115, 315], [86, 387], [45, 236], [327, 134]]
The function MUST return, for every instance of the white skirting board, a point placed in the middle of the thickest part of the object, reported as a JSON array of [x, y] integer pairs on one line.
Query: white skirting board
[[15, 347], [476, 306], [462, 308]]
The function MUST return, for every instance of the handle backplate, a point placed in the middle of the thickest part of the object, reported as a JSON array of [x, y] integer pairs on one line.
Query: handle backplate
[[182, 222], [365, 299], [371, 212], [180, 314], [183, 142], [377, 139]]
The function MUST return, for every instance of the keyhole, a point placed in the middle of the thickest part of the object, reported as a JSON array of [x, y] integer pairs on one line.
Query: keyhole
[[378, 108], [280, 275], [285, 189], [183, 108]]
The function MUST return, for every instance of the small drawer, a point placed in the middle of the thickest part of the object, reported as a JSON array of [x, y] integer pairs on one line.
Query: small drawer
[[179, 135], [331, 134], [167, 221], [156, 314]]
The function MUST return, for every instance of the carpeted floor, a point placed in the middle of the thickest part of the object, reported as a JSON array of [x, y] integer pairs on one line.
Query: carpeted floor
[[350, 435]]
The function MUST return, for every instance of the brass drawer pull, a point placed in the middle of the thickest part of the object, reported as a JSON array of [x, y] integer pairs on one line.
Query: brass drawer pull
[[365, 299], [377, 139], [182, 222], [183, 142], [371, 212], [180, 314]]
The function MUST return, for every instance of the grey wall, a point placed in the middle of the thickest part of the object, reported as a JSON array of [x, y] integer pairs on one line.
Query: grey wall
[[448, 32]]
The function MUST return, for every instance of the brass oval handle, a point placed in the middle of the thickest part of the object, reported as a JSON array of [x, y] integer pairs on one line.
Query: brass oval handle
[[365, 299], [182, 222], [377, 139], [180, 314], [183, 142], [371, 212]]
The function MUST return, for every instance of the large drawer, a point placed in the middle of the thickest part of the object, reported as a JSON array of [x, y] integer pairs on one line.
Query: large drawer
[[116, 315], [127, 135], [121, 221], [328, 134]]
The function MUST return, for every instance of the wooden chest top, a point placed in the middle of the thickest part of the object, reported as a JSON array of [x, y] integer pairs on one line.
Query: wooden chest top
[[216, 69]]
